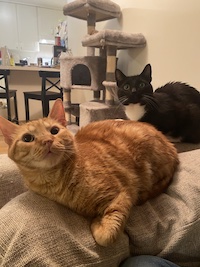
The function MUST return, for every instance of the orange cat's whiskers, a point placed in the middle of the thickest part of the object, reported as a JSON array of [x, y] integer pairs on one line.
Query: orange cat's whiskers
[[22, 155], [39, 153]]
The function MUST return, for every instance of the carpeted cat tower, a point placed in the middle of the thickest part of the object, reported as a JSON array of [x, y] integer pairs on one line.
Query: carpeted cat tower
[[93, 72]]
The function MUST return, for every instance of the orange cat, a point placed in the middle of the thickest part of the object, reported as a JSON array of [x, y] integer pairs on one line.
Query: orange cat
[[101, 172]]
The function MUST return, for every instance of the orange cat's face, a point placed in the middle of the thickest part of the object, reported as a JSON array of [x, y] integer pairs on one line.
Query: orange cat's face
[[41, 144]]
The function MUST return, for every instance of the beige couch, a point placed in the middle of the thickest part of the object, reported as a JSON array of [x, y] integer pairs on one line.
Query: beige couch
[[35, 231]]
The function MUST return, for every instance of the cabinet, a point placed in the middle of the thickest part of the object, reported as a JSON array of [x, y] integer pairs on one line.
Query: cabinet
[[23, 26], [27, 28], [18, 27], [8, 25], [48, 19]]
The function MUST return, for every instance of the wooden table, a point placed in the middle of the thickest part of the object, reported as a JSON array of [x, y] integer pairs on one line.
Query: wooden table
[[26, 78]]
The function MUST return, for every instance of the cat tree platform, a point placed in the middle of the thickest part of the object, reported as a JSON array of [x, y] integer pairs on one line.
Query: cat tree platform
[[102, 9], [97, 111], [114, 38]]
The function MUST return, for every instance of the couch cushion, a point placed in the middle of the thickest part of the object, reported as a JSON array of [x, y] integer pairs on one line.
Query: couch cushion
[[11, 183], [40, 232], [169, 225], [36, 231]]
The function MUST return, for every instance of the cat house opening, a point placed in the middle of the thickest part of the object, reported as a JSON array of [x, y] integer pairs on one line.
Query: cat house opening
[[81, 75]]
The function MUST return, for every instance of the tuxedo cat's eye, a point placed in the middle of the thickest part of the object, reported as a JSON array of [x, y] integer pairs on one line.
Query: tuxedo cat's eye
[[54, 130], [28, 138], [126, 87], [142, 85]]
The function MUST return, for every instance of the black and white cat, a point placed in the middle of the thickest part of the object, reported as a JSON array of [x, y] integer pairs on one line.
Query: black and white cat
[[173, 108]]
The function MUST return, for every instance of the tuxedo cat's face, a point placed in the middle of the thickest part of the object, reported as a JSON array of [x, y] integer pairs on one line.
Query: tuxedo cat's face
[[131, 89]]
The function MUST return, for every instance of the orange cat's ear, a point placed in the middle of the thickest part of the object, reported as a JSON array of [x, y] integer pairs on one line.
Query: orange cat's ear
[[8, 129], [58, 113]]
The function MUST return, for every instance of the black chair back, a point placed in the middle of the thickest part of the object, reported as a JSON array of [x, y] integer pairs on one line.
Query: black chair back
[[7, 94], [4, 76], [49, 80]]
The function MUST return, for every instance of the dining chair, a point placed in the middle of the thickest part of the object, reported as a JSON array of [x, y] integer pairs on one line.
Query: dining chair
[[50, 90], [8, 94]]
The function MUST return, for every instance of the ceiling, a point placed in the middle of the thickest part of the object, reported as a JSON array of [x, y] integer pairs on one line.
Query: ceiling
[[58, 4]]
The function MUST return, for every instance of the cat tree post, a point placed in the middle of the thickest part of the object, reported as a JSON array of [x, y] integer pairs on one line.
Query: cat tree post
[[110, 75], [91, 23], [67, 104]]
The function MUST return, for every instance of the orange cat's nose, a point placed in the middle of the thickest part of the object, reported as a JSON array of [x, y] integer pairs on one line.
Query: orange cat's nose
[[47, 142]]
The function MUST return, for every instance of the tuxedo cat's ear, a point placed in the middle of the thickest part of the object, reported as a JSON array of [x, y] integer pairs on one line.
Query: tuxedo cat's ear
[[8, 129], [146, 73], [119, 76], [58, 113]]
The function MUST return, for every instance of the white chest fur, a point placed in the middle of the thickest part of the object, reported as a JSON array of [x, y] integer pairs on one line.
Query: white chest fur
[[135, 111]]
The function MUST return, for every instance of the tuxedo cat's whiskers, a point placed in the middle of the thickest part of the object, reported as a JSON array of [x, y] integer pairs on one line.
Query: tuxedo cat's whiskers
[[123, 99], [151, 102], [118, 103], [119, 106]]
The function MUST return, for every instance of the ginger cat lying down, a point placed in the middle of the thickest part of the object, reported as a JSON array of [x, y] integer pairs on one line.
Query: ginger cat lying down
[[101, 172]]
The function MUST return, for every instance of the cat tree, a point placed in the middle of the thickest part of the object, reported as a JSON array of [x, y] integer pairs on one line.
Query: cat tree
[[92, 72]]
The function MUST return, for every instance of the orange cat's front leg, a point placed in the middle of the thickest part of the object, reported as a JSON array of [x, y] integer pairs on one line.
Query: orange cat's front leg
[[106, 229]]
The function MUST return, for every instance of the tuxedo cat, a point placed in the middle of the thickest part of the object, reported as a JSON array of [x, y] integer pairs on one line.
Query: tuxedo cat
[[173, 108]]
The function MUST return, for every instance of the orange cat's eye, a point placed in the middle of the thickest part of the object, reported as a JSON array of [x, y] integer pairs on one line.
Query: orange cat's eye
[[28, 138], [54, 130]]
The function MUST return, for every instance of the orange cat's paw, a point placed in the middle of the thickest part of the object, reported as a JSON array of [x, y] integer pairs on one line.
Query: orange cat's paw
[[102, 234]]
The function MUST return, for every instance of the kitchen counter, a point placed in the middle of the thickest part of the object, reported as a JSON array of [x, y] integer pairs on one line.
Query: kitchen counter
[[30, 68], [26, 78]]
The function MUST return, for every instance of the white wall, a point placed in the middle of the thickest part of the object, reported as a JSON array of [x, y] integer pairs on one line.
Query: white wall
[[171, 28]]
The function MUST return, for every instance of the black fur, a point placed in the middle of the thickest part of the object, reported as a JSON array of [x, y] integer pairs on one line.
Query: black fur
[[173, 108]]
